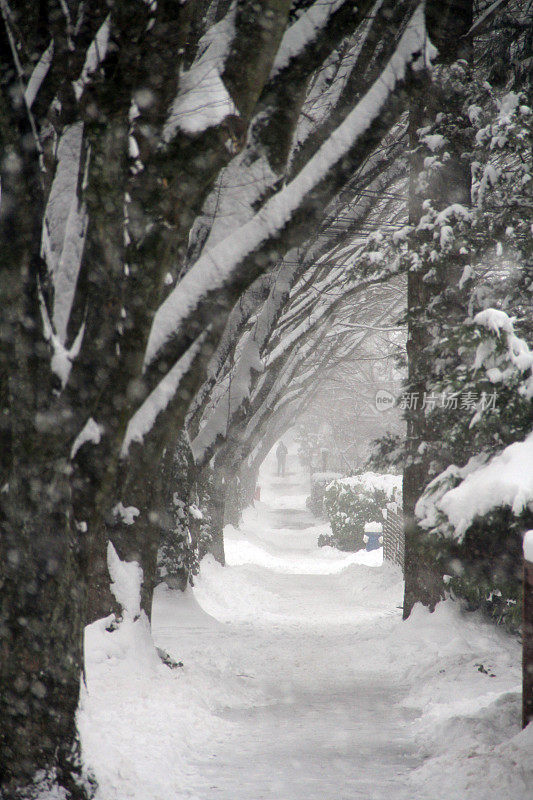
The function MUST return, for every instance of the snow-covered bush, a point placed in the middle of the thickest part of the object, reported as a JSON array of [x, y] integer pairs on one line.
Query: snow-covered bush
[[480, 510], [319, 482], [352, 502]]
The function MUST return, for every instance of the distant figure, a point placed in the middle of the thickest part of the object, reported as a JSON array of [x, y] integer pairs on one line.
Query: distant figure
[[281, 455]]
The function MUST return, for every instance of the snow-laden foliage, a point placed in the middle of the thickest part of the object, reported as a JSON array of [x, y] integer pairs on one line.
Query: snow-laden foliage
[[456, 497], [482, 387], [483, 507], [472, 391]]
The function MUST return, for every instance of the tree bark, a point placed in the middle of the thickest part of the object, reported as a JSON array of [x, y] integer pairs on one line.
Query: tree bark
[[527, 646], [43, 617], [448, 25], [42, 583]]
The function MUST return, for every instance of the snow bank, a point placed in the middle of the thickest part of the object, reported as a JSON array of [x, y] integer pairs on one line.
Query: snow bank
[[326, 560], [464, 683], [139, 721]]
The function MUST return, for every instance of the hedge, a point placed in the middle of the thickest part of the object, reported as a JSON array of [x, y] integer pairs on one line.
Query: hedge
[[352, 502]]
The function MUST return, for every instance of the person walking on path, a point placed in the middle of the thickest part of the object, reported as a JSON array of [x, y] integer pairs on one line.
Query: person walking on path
[[281, 455]]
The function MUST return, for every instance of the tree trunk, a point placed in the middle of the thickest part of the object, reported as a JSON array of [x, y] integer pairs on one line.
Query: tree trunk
[[128, 513], [42, 584], [248, 476], [217, 503], [527, 645], [447, 26], [175, 498], [43, 616]]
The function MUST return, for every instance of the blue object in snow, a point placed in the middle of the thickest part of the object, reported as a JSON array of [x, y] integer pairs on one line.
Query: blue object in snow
[[373, 542], [373, 537]]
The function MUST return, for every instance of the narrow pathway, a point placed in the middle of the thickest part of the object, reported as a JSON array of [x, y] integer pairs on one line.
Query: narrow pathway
[[300, 682], [294, 638]]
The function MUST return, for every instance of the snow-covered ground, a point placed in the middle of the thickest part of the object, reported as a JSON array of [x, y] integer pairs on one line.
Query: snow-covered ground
[[300, 681]]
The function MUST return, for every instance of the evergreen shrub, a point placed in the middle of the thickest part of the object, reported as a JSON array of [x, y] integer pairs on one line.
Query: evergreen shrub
[[351, 502]]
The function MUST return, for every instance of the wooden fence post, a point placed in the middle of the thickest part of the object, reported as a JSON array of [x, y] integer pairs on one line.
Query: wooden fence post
[[527, 632]]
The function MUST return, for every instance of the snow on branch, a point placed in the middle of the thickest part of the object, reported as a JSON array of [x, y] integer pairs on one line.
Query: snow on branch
[[215, 268], [65, 226], [528, 546], [305, 30], [96, 54], [239, 385], [248, 361], [38, 75], [480, 23], [515, 359], [91, 432], [203, 100], [231, 202], [144, 418], [62, 358]]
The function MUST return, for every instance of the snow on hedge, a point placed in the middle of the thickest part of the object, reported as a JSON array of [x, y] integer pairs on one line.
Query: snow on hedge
[[374, 481], [373, 527], [325, 477], [504, 480]]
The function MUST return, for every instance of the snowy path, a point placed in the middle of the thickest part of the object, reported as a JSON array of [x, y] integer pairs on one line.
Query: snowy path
[[322, 726], [301, 681]]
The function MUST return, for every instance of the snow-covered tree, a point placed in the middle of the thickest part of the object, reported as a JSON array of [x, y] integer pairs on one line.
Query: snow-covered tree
[[120, 124]]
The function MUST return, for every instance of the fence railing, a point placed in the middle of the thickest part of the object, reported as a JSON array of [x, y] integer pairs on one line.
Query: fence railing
[[393, 535]]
